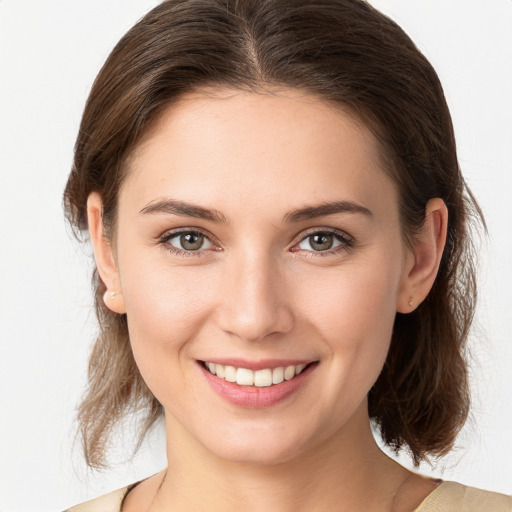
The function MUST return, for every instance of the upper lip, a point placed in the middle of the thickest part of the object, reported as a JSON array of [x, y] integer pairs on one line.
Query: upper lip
[[259, 364]]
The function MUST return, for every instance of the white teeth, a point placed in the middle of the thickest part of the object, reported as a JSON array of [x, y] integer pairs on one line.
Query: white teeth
[[244, 377], [263, 378], [277, 375], [230, 373], [299, 368], [220, 371], [289, 372], [258, 378]]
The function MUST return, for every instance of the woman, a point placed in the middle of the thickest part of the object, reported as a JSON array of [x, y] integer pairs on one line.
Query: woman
[[280, 230]]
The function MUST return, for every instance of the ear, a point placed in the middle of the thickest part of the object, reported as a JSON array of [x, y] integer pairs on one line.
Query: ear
[[104, 255], [424, 257]]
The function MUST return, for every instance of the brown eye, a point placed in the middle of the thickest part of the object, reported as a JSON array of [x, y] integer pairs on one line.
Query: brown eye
[[322, 241], [189, 241]]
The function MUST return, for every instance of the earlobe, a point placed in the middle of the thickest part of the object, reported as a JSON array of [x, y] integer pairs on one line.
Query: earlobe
[[104, 255], [424, 258]]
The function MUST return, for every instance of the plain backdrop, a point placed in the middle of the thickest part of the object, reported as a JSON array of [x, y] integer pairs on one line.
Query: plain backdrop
[[50, 53]]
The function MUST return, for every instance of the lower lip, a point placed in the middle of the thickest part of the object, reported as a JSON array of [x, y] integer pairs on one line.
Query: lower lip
[[255, 397]]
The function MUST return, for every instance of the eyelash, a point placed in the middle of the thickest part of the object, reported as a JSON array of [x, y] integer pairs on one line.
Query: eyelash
[[346, 242], [166, 237]]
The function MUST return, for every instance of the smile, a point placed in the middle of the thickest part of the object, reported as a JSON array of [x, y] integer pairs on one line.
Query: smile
[[266, 384], [259, 378]]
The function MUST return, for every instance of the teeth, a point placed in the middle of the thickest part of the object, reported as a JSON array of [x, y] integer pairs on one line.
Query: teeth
[[277, 375], [259, 378], [263, 378], [220, 371], [230, 372], [244, 377], [289, 372]]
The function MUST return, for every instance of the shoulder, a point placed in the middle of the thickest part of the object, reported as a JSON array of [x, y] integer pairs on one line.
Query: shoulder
[[455, 497], [110, 502]]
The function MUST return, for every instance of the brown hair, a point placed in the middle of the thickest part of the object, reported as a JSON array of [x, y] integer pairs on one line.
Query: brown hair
[[347, 53]]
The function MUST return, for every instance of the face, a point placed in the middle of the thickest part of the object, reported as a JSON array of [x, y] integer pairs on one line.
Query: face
[[259, 232]]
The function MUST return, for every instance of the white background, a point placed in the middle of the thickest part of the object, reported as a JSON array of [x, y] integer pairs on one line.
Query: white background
[[50, 52]]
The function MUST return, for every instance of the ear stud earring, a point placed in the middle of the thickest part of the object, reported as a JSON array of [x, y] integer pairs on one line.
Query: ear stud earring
[[411, 304], [114, 301]]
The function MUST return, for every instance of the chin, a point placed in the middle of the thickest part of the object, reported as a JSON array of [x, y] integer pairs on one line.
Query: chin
[[253, 453], [264, 447]]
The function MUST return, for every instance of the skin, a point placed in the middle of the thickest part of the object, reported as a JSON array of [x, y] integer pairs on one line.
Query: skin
[[258, 289]]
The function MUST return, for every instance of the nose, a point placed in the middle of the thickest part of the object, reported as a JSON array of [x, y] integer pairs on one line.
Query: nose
[[254, 301]]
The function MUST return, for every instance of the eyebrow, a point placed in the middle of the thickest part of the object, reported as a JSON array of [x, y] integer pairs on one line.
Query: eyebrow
[[183, 208], [324, 209], [176, 207]]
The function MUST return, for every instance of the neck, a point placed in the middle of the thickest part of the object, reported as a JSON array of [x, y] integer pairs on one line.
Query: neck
[[336, 474]]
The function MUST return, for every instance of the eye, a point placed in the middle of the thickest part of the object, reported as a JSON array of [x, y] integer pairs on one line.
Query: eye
[[325, 241], [187, 241]]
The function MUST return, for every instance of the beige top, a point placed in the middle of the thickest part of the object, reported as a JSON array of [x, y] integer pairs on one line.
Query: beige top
[[447, 497]]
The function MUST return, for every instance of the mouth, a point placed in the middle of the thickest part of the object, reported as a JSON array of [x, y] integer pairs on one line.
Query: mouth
[[261, 378], [264, 384]]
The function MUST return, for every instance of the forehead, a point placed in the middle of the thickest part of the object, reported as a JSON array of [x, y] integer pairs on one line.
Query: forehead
[[284, 147]]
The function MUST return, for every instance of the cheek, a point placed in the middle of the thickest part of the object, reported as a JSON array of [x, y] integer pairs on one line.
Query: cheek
[[351, 298], [166, 307], [353, 310], [166, 311]]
